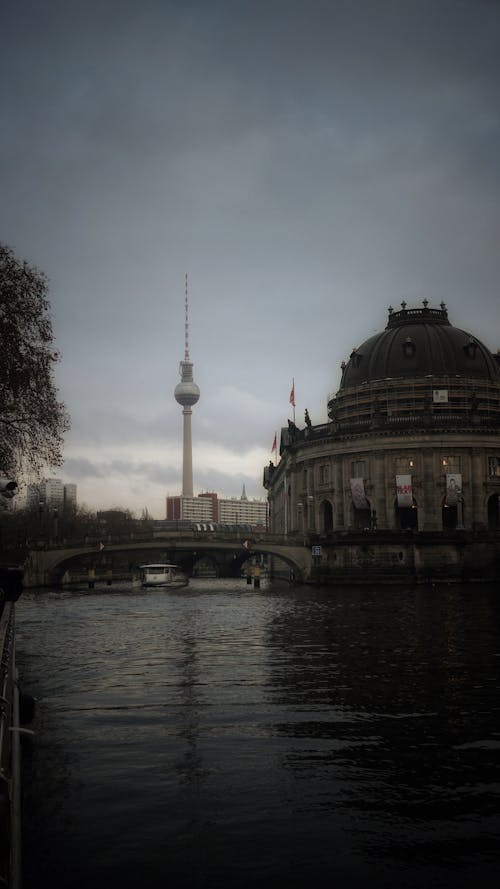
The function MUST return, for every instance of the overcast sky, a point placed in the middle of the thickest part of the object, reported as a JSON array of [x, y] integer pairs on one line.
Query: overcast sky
[[306, 162]]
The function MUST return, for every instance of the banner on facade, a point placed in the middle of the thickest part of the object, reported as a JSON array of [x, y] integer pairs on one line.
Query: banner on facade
[[358, 494], [404, 490], [440, 396], [453, 488]]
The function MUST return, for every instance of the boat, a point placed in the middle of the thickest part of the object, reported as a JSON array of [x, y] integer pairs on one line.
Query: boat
[[162, 574]]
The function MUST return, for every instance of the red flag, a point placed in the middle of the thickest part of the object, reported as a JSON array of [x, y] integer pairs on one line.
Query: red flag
[[292, 394], [274, 447]]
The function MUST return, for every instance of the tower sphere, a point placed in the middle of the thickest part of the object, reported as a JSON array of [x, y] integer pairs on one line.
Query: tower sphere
[[187, 394]]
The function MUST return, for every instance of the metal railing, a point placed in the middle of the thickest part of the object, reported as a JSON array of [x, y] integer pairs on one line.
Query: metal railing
[[10, 756]]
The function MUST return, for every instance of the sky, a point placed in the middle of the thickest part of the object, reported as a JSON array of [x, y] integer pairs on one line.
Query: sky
[[306, 162]]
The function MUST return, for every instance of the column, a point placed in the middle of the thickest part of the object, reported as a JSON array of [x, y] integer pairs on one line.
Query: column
[[338, 483], [380, 490], [433, 492], [476, 514]]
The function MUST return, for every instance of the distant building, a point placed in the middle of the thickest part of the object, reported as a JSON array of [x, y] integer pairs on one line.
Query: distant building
[[52, 493], [70, 497], [194, 509], [207, 507], [243, 512], [214, 500]]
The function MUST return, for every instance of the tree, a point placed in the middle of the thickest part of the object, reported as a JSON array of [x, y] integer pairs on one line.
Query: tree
[[32, 419]]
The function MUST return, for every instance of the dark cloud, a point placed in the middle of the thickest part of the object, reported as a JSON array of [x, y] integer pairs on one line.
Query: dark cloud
[[307, 163], [79, 468]]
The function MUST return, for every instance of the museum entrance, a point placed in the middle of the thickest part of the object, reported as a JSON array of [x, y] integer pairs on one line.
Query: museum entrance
[[362, 519], [406, 516], [326, 513], [453, 515]]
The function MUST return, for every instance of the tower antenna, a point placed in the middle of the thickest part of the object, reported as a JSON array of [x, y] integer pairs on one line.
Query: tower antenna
[[186, 320]]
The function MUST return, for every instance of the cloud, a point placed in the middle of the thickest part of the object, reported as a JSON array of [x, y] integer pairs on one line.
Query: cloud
[[307, 163]]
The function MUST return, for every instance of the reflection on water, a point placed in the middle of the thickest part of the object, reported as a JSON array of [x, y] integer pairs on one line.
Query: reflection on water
[[222, 736]]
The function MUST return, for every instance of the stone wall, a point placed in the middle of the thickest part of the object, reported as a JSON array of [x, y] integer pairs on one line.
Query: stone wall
[[415, 558]]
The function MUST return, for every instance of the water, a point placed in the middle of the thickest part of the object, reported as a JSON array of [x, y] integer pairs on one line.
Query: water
[[223, 736]]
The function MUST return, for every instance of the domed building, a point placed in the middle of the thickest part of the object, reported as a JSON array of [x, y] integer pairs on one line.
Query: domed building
[[412, 443]]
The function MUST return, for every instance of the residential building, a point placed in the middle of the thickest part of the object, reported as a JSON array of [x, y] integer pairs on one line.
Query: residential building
[[208, 507], [52, 493]]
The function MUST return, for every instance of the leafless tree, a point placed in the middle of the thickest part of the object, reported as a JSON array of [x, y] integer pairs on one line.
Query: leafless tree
[[32, 418]]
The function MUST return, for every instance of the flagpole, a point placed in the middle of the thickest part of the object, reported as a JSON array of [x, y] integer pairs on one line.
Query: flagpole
[[293, 390]]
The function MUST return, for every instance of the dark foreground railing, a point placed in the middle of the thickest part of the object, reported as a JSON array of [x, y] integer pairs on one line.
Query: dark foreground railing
[[10, 751], [10, 783]]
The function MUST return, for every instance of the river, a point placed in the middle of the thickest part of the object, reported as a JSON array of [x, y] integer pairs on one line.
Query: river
[[226, 736]]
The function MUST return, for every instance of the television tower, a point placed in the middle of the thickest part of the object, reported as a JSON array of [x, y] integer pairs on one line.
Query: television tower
[[187, 393]]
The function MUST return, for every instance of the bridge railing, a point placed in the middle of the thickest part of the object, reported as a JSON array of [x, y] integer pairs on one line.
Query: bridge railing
[[100, 544]]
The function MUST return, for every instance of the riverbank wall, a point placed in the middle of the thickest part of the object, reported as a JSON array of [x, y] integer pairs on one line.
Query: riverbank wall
[[398, 558]]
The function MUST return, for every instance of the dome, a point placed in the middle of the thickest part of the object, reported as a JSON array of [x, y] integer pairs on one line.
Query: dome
[[419, 343]]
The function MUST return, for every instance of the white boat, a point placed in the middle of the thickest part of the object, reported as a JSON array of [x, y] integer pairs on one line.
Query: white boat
[[162, 574]]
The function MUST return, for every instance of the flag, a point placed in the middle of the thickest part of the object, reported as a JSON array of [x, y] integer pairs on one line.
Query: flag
[[275, 446], [292, 394]]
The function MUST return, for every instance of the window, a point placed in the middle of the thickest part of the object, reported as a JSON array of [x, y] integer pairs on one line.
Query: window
[[405, 465], [450, 464], [358, 469], [324, 474], [494, 467]]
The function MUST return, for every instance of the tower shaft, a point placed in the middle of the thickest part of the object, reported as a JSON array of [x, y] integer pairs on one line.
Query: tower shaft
[[187, 454]]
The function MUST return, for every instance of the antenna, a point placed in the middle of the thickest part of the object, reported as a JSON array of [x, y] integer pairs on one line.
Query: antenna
[[186, 321]]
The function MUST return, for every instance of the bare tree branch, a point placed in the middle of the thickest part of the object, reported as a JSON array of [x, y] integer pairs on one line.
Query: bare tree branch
[[32, 418]]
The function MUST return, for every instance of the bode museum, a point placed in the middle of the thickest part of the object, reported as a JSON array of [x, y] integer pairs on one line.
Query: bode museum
[[405, 476]]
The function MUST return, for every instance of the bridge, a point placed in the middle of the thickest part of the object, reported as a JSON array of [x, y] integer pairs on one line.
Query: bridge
[[344, 557], [47, 566]]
